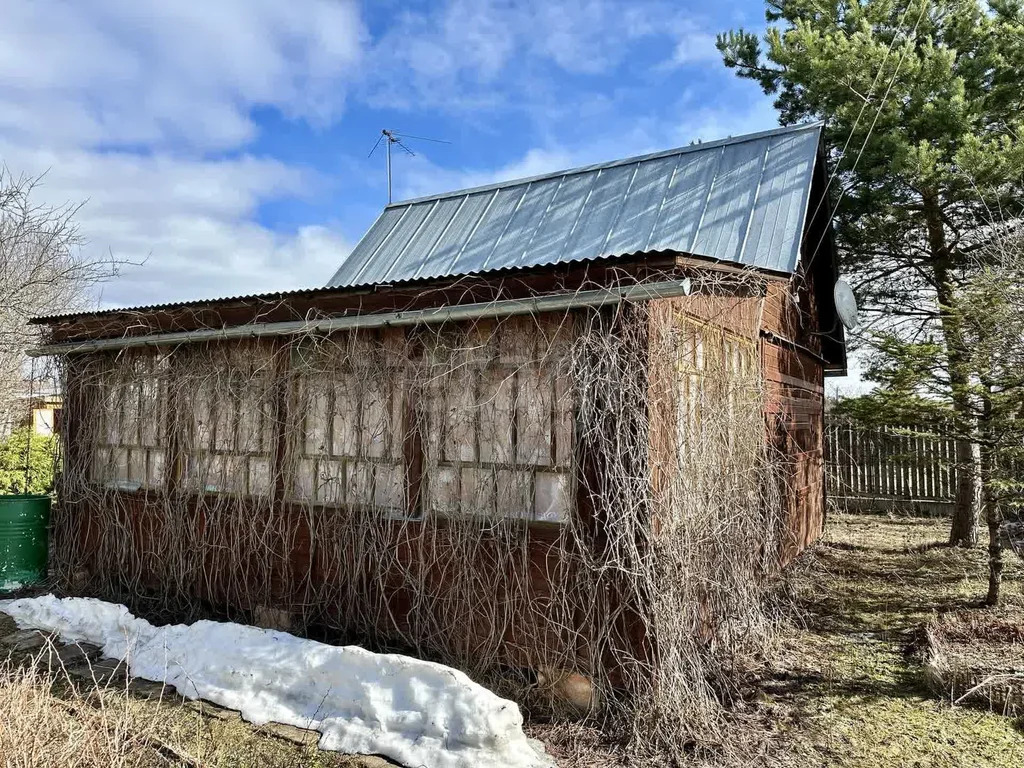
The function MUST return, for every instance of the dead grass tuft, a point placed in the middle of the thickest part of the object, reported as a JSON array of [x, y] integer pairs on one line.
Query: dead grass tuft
[[53, 717], [980, 626], [977, 659], [40, 728]]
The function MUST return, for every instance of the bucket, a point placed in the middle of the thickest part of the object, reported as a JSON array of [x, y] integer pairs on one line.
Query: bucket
[[24, 521]]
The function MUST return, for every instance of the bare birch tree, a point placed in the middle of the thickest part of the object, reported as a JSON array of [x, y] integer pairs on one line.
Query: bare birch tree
[[43, 270]]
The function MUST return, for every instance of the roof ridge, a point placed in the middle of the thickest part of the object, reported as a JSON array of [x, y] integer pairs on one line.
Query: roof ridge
[[698, 147]]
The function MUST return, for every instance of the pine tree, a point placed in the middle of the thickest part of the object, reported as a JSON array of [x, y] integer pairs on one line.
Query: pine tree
[[914, 388], [922, 102]]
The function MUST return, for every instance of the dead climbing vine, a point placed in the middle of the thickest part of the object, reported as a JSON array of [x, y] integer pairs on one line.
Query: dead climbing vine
[[580, 503]]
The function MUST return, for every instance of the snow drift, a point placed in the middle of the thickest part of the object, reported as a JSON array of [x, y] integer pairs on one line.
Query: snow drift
[[415, 712]]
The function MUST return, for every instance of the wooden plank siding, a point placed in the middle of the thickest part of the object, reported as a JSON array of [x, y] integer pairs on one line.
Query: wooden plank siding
[[318, 565], [794, 375], [322, 563], [795, 420], [312, 560], [671, 381], [793, 372]]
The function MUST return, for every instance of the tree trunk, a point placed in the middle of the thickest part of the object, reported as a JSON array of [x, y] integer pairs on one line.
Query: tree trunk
[[995, 557], [966, 511], [966, 508], [964, 528], [990, 502], [995, 550]]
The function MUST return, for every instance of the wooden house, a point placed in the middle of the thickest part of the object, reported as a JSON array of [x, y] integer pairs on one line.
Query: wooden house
[[316, 457]]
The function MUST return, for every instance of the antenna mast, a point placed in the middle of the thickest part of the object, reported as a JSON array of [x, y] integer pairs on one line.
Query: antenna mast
[[394, 137], [391, 140]]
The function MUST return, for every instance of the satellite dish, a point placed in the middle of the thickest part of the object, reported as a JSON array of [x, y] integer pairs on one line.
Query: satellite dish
[[846, 304]]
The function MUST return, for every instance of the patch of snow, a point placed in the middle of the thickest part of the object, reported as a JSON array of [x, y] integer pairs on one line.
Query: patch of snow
[[415, 712], [10, 586]]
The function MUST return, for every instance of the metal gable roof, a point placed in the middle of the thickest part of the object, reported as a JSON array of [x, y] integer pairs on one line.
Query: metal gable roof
[[741, 200]]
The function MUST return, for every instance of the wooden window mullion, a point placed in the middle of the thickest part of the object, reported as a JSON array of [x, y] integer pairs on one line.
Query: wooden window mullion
[[175, 422], [412, 440], [279, 440]]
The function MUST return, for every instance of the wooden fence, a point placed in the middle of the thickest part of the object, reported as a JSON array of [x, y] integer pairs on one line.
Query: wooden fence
[[888, 470]]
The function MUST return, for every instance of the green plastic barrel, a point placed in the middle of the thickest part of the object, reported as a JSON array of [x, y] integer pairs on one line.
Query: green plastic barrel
[[23, 539]]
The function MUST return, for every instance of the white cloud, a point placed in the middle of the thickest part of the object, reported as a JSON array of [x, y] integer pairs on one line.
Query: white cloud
[[697, 121], [207, 258], [129, 106], [121, 71], [465, 55], [144, 110], [695, 46], [419, 177], [191, 221]]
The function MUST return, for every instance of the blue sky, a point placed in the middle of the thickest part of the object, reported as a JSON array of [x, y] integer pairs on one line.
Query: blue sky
[[225, 143]]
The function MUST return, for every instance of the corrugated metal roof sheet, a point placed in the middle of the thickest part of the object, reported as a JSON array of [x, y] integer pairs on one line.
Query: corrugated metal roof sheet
[[741, 200]]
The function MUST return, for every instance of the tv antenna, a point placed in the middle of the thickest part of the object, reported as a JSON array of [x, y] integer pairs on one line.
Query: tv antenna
[[396, 137]]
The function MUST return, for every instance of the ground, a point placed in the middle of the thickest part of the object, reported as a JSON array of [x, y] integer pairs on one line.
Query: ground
[[52, 718], [848, 686]]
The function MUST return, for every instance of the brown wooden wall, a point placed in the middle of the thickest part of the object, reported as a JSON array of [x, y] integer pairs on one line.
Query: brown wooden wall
[[677, 386], [795, 405], [449, 584], [794, 392], [419, 585], [795, 421], [406, 584]]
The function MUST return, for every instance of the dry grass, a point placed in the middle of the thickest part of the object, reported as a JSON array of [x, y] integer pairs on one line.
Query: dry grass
[[42, 729], [849, 687], [48, 718], [846, 687], [977, 659]]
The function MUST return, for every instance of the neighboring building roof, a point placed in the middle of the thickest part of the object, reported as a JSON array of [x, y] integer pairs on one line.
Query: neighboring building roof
[[741, 200]]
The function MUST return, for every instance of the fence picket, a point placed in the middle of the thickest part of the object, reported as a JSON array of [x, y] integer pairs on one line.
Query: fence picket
[[888, 469]]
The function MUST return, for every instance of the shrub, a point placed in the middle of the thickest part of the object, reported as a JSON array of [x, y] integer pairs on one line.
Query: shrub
[[37, 476]]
